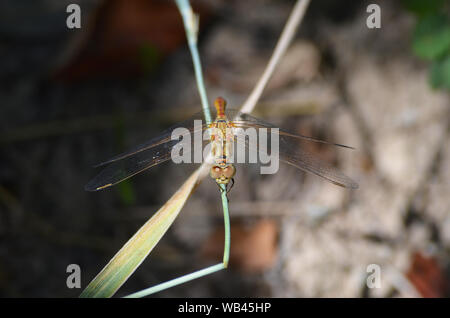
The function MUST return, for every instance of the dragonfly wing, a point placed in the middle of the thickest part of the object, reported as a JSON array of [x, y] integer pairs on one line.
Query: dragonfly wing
[[130, 166], [164, 137], [306, 161], [245, 121], [290, 152]]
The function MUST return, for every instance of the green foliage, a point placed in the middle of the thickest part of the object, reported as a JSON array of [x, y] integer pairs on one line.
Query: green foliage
[[440, 73], [431, 38], [423, 7]]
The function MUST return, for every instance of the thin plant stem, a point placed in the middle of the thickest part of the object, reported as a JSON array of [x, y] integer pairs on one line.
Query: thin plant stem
[[191, 21], [177, 281], [226, 223], [288, 33]]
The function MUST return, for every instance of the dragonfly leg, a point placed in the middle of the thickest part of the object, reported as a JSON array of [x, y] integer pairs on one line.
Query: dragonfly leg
[[220, 188], [232, 184]]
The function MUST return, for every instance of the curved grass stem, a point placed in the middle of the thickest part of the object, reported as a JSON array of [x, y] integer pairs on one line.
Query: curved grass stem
[[226, 223], [286, 37], [190, 21], [177, 281]]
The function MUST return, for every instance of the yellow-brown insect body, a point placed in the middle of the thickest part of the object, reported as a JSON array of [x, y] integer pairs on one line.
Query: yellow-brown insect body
[[221, 145]]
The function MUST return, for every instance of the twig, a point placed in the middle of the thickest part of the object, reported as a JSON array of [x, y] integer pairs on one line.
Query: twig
[[286, 37]]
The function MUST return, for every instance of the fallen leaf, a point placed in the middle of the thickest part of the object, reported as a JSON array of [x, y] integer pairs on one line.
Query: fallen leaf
[[253, 248], [428, 276]]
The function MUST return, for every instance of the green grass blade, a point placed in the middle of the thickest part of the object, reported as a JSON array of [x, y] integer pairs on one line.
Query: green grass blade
[[133, 253]]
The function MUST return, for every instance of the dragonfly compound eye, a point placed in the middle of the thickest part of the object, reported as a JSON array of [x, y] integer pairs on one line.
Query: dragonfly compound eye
[[215, 172], [229, 172]]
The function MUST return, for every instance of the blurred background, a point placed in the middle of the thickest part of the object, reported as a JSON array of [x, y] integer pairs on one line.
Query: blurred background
[[71, 98]]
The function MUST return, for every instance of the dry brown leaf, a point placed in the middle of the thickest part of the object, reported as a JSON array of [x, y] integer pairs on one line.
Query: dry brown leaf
[[428, 276], [253, 248]]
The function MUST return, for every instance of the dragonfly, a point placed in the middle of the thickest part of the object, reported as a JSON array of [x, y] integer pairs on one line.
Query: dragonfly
[[159, 149]]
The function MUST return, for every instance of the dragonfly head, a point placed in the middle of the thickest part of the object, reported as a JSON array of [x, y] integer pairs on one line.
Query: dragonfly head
[[220, 103], [222, 175]]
